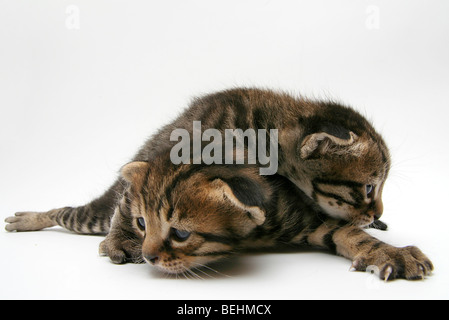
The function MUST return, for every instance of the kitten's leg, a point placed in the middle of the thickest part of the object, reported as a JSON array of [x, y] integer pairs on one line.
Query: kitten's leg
[[80, 220], [122, 244], [93, 218], [366, 251], [32, 221]]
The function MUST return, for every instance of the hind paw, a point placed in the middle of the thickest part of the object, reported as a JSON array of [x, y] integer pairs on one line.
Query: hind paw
[[25, 221]]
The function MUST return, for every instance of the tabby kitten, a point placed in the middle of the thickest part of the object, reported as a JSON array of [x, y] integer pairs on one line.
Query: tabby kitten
[[182, 217], [329, 151]]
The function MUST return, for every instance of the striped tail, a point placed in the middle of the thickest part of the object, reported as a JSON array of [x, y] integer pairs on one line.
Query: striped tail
[[93, 218]]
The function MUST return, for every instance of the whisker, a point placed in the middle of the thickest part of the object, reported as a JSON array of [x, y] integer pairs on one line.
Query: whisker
[[184, 273], [212, 269], [195, 274], [192, 274], [203, 272]]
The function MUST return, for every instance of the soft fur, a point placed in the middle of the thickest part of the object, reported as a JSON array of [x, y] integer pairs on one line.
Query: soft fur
[[332, 169]]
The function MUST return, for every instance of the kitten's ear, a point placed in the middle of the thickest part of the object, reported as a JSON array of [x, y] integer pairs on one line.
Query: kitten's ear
[[321, 142], [246, 194], [134, 172]]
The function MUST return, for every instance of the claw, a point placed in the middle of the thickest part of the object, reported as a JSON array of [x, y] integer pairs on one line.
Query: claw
[[423, 270], [387, 273], [353, 266]]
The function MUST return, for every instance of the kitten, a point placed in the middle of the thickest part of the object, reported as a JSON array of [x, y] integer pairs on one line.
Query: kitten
[[329, 151], [179, 217], [231, 208]]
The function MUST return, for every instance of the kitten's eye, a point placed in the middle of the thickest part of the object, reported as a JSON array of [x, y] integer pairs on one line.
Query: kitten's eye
[[369, 189], [141, 223], [181, 235]]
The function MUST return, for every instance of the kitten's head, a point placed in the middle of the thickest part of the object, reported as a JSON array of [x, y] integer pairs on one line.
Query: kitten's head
[[344, 165], [191, 215]]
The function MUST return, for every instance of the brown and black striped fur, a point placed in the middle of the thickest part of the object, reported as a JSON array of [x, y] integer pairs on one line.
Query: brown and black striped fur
[[227, 209], [329, 153], [326, 149]]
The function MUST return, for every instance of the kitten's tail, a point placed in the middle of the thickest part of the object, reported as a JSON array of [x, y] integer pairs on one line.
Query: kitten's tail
[[92, 218]]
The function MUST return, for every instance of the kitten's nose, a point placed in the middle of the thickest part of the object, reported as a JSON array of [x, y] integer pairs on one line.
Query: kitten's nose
[[378, 209], [152, 258]]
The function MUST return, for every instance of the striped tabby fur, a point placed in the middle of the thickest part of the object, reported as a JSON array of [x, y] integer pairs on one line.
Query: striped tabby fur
[[179, 217]]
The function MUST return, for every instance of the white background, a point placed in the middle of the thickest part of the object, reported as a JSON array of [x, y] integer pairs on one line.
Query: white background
[[76, 103]]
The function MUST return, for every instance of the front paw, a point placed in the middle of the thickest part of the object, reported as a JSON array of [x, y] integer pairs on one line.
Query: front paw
[[121, 250], [393, 263]]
